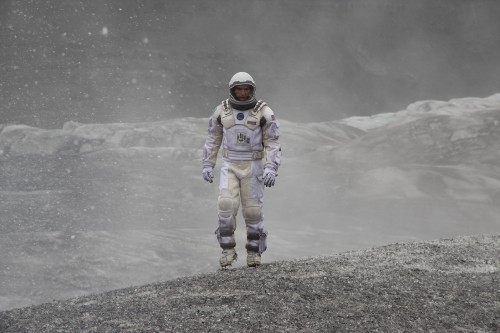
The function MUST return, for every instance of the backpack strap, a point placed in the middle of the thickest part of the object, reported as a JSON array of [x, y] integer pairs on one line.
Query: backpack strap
[[227, 118], [260, 104], [225, 105], [254, 117]]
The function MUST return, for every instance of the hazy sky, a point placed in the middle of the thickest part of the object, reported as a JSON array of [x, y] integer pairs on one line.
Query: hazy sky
[[130, 60]]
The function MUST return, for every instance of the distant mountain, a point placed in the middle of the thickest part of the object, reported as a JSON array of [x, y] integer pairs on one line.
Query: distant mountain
[[93, 207]]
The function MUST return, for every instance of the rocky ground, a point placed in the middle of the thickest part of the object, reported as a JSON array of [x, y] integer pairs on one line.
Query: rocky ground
[[448, 285]]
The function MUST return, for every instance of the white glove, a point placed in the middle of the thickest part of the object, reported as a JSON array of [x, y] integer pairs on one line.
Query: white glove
[[208, 174], [269, 177]]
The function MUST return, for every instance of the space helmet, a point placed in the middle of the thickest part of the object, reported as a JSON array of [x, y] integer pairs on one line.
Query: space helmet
[[239, 79]]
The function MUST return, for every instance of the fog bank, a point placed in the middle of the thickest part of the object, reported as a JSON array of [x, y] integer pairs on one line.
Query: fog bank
[[128, 61]]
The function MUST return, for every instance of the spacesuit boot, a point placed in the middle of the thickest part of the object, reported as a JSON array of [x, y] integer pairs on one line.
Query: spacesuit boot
[[256, 242], [253, 259], [228, 257]]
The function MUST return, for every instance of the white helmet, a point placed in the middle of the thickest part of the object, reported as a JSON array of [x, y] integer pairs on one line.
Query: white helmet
[[239, 79]]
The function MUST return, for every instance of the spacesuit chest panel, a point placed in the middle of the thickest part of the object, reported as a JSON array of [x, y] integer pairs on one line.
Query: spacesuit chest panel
[[240, 136], [249, 118]]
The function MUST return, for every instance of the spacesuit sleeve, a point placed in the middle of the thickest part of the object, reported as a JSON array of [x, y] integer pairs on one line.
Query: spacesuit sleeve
[[270, 140], [214, 139]]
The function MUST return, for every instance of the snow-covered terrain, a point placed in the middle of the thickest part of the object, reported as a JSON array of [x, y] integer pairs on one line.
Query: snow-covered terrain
[[94, 207]]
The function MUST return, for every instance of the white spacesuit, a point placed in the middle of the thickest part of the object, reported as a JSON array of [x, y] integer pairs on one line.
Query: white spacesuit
[[249, 134]]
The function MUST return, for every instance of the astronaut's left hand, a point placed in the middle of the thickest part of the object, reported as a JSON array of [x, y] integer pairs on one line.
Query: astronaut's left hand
[[269, 177]]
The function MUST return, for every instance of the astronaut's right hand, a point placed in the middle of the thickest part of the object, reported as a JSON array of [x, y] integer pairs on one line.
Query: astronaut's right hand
[[208, 174]]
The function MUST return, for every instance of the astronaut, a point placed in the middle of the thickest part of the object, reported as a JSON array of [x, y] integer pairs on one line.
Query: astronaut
[[251, 154]]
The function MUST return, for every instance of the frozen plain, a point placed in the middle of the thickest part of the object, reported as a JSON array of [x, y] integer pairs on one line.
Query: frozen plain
[[95, 207]]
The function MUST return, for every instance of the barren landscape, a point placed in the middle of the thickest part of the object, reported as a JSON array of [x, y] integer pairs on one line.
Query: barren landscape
[[448, 285], [95, 207], [385, 214]]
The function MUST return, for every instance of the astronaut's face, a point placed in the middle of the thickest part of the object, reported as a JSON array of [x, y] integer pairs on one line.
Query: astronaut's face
[[243, 92]]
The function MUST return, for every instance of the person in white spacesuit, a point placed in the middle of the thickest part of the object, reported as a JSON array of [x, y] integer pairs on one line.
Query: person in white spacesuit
[[248, 132]]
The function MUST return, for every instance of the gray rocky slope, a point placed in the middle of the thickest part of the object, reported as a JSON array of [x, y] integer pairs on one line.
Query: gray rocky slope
[[448, 285]]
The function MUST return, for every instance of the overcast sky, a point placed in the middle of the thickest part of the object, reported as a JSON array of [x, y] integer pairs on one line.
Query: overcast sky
[[129, 60]]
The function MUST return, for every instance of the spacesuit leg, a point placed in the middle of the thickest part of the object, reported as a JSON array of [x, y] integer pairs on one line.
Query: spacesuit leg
[[228, 203], [252, 193]]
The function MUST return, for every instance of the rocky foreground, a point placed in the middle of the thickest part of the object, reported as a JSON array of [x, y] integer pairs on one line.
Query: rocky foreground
[[449, 285]]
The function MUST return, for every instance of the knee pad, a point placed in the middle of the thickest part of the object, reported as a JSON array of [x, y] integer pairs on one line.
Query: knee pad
[[252, 213], [226, 223], [225, 206], [225, 231]]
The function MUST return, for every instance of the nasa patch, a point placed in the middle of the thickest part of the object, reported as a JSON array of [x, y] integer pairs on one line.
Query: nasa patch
[[240, 116]]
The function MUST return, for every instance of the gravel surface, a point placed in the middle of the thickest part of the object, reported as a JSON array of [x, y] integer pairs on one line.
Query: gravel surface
[[448, 285]]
